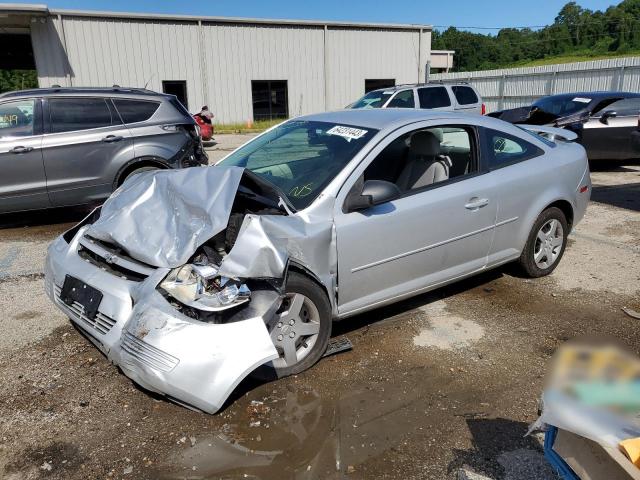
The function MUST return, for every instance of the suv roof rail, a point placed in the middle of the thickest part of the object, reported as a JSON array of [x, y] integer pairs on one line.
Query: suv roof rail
[[422, 84], [59, 89]]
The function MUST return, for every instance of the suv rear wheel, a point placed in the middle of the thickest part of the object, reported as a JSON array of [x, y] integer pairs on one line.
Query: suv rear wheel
[[135, 171]]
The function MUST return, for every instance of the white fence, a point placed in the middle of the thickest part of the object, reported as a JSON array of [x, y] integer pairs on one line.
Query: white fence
[[515, 87]]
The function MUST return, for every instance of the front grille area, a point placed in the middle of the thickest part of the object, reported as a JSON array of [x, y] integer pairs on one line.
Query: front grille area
[[115, 270], [101, 324], [145, 353]]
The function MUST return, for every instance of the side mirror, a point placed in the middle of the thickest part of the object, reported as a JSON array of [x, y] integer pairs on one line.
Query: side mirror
[[604, 118], [374, 192]]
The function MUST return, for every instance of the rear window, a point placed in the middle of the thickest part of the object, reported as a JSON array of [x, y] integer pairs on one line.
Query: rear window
[[465, 95], [72, 114], [133, 111], [433, 97]]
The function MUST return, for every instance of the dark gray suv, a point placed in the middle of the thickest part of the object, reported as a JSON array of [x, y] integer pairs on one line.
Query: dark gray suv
[[74, 146]]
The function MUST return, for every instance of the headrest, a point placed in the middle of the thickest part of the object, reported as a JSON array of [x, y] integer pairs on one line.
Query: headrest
[[438, 133], [425, 144]]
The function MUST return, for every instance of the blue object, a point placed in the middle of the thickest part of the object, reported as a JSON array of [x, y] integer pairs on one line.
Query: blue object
[[556, 461]]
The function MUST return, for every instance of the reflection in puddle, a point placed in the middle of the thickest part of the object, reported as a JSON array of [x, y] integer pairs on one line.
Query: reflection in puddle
[[290, 436]]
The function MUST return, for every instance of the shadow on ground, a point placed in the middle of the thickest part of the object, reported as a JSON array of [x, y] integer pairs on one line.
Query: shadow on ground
[[490, 438], [38, 218]]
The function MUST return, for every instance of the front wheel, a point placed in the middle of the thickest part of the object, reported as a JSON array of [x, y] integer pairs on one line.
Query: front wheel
[[302, 329], [546, 243]]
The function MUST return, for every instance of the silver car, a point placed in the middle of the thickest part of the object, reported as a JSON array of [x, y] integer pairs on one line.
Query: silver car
[[74, 146], [189, 280]]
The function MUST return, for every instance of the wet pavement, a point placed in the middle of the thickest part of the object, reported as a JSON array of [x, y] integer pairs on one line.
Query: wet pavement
[[445, 381]]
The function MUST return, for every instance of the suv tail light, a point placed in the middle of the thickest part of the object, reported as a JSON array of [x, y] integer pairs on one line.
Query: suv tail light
[[483, 111]]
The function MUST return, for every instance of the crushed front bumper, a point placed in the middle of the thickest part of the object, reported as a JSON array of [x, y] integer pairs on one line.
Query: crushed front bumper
[[194, 363]]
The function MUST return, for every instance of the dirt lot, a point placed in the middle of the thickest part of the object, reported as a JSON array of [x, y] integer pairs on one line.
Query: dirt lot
[[444, 381]]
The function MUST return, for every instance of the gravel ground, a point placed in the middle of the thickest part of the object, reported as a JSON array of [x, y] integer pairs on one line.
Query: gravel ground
[[443, 385]]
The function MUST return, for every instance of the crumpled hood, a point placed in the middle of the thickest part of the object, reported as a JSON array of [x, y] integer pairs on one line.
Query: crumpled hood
[[162, 217]]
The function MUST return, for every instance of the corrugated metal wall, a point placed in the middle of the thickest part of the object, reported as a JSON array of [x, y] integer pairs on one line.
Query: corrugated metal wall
[[218, 60], [515, 87], [354, 55], [237, 54]]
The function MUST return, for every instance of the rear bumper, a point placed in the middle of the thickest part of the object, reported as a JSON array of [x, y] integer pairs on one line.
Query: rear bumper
[[193, 363]]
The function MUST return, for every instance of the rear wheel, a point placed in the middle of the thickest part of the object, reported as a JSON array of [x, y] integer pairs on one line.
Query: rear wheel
[[546, 243], [302, 329], [136, 171]]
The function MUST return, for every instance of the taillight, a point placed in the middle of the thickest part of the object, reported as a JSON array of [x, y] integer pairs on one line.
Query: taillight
[[584, 188], [484, 109]]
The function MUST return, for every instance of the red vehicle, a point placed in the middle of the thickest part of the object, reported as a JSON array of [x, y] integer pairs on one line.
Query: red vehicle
[[206, 128]]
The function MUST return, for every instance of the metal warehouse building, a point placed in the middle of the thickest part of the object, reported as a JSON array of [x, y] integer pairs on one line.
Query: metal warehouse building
[[242, 68]]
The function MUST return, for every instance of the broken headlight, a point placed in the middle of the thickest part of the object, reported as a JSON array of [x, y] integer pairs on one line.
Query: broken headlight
[[200, 287]]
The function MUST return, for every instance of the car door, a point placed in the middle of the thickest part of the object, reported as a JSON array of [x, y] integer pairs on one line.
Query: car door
[[434, 98], [429, 235], [82, 137], [23, 184], [607, 133], [466, 99]]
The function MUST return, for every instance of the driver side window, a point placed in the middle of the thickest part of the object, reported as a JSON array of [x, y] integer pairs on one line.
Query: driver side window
[[426, 157]]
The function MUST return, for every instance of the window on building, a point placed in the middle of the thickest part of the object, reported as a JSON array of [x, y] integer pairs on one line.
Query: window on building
[[465, 95], [16, 118], [177, 88], [504, 149], [270, 99], [377, 83], [403, 99], [72, 114], [133, 111], [433, 97]]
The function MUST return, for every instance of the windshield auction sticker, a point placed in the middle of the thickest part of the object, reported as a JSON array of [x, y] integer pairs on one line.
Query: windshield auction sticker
[[581, 100], [347, 132]]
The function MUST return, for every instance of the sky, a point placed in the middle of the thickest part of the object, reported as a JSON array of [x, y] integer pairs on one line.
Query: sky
[[459, 13]]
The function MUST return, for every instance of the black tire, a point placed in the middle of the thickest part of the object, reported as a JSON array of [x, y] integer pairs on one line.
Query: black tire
[[135, 171], [301, 284], [527, 261]]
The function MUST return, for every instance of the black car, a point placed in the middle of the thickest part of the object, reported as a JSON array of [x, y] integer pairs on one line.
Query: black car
[[604, 121]]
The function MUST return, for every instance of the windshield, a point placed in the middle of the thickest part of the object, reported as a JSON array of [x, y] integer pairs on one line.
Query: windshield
[[562, 106], [375, 99], [301, 157]]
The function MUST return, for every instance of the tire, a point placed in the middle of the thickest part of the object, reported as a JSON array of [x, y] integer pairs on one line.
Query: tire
[[315, 309], [136, 171], [543, 252]]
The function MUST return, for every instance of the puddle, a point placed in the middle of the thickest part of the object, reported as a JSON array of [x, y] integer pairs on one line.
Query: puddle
[[273, 438], [446, 331], [299, 434]]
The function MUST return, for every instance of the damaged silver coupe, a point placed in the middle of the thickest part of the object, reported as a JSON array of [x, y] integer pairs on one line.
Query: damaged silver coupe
[[190, 280]]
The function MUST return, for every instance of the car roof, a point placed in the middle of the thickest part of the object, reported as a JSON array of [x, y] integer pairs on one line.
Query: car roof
[[86, 91], [384, 118], [403, 86], [595, 95]]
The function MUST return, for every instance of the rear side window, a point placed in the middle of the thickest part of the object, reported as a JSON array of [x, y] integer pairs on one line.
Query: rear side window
[[434, 97], [132, 111], [465, 95], [403, 99], [17, 118], [72, 114], [625, 107], [503, 149]]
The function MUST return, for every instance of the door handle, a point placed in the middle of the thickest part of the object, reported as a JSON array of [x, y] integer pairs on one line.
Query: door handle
[[21, 149], [476, 203], [112, 138]]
